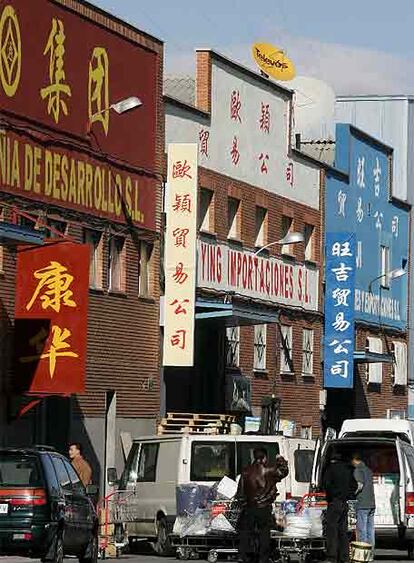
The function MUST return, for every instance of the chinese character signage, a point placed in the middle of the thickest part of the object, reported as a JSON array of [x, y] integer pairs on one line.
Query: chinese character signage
[[180, 255], [63, 87], [339, 310], [225, 268], [51, 318]]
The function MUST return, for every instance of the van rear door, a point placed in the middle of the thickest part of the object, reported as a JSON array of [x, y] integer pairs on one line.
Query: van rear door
[[403, 479], [408, 454], [320, 449]]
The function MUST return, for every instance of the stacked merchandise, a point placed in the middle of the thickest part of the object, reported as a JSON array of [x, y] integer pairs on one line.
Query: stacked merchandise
[[303, 519]]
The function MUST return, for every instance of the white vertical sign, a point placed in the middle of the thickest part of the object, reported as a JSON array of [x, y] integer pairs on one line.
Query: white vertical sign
[[180, 255]]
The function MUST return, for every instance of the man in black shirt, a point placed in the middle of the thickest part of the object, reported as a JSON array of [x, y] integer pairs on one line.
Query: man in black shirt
[[340, 486]]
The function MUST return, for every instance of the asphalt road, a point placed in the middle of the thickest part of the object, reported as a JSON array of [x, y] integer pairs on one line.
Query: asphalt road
[[148, 557]]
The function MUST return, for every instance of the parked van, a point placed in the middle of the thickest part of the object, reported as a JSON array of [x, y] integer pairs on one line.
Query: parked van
[[156, 465], [391, 460], [380, 427]]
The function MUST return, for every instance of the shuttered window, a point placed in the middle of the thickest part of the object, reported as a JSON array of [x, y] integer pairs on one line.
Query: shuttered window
[[374, 370], [307, 357], [259, 347], [400, 363], [286, 364]]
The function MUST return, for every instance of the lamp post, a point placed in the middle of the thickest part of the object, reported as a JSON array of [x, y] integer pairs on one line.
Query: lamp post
[[290, 238], [124, 105], [391, 275]]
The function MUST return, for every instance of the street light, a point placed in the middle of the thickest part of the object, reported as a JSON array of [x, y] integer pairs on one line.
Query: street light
[[127, 104], [392, 275], [290, 238]]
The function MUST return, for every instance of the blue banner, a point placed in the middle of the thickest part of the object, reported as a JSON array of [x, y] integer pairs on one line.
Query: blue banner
[[339, 310]]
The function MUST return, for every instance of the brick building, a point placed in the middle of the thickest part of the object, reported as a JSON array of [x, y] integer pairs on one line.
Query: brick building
[[258, 317], [84, 173]]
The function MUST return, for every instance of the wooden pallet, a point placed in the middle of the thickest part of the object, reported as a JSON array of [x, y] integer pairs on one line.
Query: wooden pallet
[[189, 423]]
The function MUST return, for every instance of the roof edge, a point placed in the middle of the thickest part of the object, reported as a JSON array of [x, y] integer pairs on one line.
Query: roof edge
[[185, 106]]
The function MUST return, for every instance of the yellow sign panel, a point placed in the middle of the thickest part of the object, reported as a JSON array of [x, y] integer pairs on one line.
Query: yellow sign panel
[[273, 62]]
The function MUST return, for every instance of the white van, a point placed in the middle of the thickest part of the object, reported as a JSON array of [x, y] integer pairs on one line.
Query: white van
[[156, 465], [380, 427], [391, 460]]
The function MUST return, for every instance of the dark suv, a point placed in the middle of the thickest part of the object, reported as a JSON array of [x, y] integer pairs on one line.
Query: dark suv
[[45, 511]]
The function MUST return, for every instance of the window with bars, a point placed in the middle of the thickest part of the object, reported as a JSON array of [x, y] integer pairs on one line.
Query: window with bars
[[286, 363], [307, 351], [259, 347], [232, 346]]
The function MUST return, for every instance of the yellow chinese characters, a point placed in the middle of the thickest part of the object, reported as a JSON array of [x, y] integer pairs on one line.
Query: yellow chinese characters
[[57, 87], [98, 88], [59, 347], [53, 287]]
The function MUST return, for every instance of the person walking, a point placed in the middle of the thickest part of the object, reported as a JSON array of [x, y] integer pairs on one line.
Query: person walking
[[257, 491], [340, 486], [79, 463], [365, 501]]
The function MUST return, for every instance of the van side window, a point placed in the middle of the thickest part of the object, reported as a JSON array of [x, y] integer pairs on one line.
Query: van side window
[[148, 463], [245, 453], [303, 465], [211, 461]]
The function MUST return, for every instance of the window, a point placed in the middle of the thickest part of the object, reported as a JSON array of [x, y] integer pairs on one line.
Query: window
[[287, 227], [232, 346], [130, 472], [205, 219], [259, 347], [211, 461], [62, 474], [95, 240], [261, 226], [245, 453], [286, 364], [18, 470], [57, 226], [117, 264], [145, 252], [400, 363], [147, 466], [385, 266], [309, 242], [74, 478], [50, 474], [307, 357], [374, 371], [1, 246], [233, 218], [303, 460]]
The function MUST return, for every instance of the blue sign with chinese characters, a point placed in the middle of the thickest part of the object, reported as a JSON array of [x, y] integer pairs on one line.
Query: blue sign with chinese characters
[[339, 310], [358, 200]]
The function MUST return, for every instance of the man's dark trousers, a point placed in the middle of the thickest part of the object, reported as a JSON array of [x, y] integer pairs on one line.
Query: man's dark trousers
[[254, 532], [337, 542]]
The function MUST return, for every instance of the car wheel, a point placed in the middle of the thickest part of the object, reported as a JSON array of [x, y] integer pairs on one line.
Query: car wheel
[[91, 552], [162, 546]]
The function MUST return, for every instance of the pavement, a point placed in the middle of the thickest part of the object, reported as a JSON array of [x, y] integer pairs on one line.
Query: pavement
[[384, 556]]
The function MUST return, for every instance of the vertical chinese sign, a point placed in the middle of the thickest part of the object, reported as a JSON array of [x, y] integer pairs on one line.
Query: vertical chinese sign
[[339, 310], [51, 318], [180, 255]]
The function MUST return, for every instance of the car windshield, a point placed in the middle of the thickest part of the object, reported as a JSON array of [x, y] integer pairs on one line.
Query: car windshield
[[19, 470]]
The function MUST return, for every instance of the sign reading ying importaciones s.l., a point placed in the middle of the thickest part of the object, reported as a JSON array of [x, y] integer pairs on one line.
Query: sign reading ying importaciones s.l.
[[180, 255]]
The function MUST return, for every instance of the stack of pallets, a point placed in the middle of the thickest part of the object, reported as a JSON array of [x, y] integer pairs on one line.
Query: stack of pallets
[[177, 423]]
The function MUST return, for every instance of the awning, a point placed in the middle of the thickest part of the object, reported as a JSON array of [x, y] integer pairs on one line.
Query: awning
[[366, 357], [234, 313], [11, 234]]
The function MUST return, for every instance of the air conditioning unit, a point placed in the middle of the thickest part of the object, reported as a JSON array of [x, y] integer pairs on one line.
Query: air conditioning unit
[[396, 414]]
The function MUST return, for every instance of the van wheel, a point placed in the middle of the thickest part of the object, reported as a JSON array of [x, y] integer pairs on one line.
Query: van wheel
[[162, 546]]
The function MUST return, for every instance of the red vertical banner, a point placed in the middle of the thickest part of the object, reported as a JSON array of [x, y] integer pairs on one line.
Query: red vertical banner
[[52, 286]]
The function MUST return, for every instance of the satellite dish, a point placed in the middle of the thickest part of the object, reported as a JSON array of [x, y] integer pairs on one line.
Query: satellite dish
[[314, 107], [273, 61]]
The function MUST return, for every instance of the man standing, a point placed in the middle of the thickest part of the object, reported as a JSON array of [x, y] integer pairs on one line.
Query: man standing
[[257, 491], [81, 466], [340, 486], [365, 501]]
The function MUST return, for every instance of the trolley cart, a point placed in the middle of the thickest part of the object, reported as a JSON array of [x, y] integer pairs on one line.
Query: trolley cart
[[305, 549], [114, 510]]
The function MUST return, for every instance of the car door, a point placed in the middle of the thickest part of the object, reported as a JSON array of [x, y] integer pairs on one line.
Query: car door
[[82, 509], [66, 503], [146, 487]]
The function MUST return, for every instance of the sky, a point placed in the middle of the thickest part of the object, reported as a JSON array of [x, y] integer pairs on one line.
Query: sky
[[357, 46]]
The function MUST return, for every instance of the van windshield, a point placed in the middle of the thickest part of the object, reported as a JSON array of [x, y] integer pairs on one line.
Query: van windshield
[[19, 471], [211, 461]]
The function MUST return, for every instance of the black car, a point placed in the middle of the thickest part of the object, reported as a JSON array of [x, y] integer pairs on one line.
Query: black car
[[45, 511]]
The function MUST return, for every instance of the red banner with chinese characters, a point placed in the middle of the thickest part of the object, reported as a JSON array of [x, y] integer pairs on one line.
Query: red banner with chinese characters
[[51, 318]]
